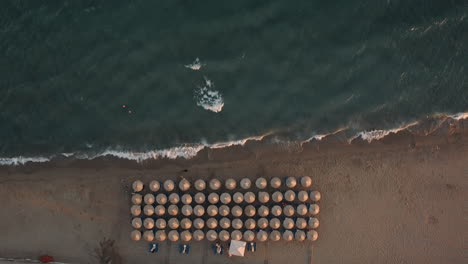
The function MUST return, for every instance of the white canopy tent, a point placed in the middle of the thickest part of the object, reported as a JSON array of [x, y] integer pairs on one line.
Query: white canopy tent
[[237, 248]]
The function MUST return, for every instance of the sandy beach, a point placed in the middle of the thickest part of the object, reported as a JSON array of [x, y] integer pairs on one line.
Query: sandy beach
[[395, 200]]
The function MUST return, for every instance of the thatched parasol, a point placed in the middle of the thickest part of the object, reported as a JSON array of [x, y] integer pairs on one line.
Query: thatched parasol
[[174, 198], [275, 182], [160, 235], [149, 198], [169, 185], [303, 196], [198, 235], [249, 197], [262, 236], [161, 223], [249, 236], [288, 210], [224, 210], [245, 183], [161, 198], [185, 236], [135, 235], [276, 210], [135, 210], [301, 209], [225, 198], [236, 235], [200, 185], [173, 210], [263, 211], [212, 210], [288, 235], [184, 185], [200, 198], [211, 235], [275, 223], [137, 186], [225, 223], [148, 210], [301, 223], [261, 183], [236, 211], [198, 223], [213, 198], [315, 196], [148, 223], [159, 210], [263, 197], [215, 184], [313, 222], [312, 235], [154, 186], [277, 197], [137, 199], [238, 197], [148, 236], [250, 224], [223, 235], [300, 235], [291, 182], [262, 223], [275, 235], [289, 195], [236, 223], [173, 223], [314, 209], [198, 210], [249, 210], [186, 199], [173, 235], [230, 184], [185, 223], [137, 223], [306, 181], [187, 210], [211, 223], [288, 223]]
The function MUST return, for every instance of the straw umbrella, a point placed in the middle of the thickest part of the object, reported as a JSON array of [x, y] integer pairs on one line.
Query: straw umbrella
[[315, 196], [149, 198], [301, 209], [238, 197], [169, 185], [237, 223], [300, 235], [137, 199], [137, 186], [148, 223], [148, 235], [184, 185], [225, 223], [174, 198], [245, 183], [224, 210], [288, 210], [313, 222], [215, 184], [198, 235], [187, 210], [289, 195], [288, 235], [275, 223], [261, 183], [136, 223], [303, 196], [249, 236], [135, 235], [135, 210], [173, 235], [161, 198], [314, 209], [185, 236], [148, 210], [200, 185], [173, 210], [198, 210], [277, 197], [262, 223], [186, 199], [236, 211], [306, 181], [288, 223], [312, 235], [160, 235], [154, 186], [262, 236], [301, 223], [249, 197], [250, 224], [236, 235], [249, 210], [263, 197], [161, 223], [159, 210], [263, 211], [275, 235], [212, 210], [230, 184], [173, 223], [198, 223], [200, 198], [213, 198], [211, 223], [225, 198], [223, 235], [211, 235], [291, 182], [276, 210], [275, 182]]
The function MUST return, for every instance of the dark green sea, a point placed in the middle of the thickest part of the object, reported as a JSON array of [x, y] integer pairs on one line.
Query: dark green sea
[[94, 77]]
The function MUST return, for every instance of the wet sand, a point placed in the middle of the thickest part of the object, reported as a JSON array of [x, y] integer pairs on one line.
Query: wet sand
[[396, 200]]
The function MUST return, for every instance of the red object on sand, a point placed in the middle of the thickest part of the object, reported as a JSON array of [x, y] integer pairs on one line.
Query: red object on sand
[[46, 259]]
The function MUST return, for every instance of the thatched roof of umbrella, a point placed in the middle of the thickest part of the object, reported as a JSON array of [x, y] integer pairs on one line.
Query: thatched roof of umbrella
[[236, 211], [275, 235], [185, 236], [198, 235], [174, 198], [288, 210], [137, 198], [187, 210], [262, 223], [236, 235], [137, 223], [213, 198], [236, 223], [300, 235], [215, 184], [185, 223], [148, 223], [149, 198], [275, 182], [211, 235], [186, 198], [249, 210], [160, 235], [199, 210], [173, 235], [238, 197], [159, 210], [314, 209], [315, 196], [135, 235], [225, 198], [301, 223], [275, 223], [230, 184], [303, 196], [263, 197], [277, 196], [148, 236], [184, 185], [276, 210], [306, 181], [250, 223], [212, 210], [148, 210], [249, 197], [288, 223], [289, 195], [301, 209], [200, 198], [198, 223], [137, 186], [169, 185], [262, 236], [200, 185], [225, 223], [154, 186], [288, 235], [263, 211], [161, 198], [249, 236], [173, 223], [211, 223], [223, 235], [261, 183], [291, 182], [224, 210], [135, 210], [312, 235], [173, 210], [161, 223], [245, 183], [313, 222]]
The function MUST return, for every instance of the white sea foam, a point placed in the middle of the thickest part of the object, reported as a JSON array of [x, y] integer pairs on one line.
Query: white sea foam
[[195, 65], [209, 98], [22, 160]]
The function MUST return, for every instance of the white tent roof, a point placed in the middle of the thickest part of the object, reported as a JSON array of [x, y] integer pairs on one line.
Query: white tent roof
[[237, 248]]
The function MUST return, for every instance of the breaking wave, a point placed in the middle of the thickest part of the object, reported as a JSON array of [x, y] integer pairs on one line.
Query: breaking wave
[[209, 98]]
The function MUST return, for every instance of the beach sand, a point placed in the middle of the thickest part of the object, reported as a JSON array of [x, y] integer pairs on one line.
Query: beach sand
[[400, 199]]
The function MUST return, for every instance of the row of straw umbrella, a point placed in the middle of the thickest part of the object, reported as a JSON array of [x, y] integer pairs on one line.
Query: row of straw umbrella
[[212, 235], [229, 184]]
